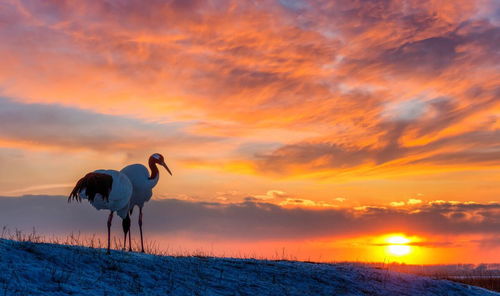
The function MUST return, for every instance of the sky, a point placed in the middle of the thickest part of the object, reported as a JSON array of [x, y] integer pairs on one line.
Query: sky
[[319, 127]]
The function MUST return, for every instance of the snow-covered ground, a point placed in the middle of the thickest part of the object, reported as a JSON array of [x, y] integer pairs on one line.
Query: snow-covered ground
[[28, 268]]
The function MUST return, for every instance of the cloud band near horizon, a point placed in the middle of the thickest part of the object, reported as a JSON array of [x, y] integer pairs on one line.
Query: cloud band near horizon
[[253, 220]]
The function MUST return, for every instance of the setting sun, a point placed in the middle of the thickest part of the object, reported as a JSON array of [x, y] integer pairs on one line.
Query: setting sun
[[398, 245], [399, 250]]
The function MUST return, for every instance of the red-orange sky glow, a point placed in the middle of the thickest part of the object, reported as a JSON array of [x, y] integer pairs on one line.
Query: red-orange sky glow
[[334, 124]]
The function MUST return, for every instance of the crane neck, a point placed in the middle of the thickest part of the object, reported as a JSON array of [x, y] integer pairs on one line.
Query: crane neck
[[154, 169]]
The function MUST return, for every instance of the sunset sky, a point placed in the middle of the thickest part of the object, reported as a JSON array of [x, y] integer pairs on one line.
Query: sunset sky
[[320, 127]]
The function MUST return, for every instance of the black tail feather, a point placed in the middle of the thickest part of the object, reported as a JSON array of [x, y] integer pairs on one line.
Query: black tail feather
[[93, 183]]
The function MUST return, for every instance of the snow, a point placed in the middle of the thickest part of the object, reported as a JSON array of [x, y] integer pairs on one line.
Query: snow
[[48, 269]]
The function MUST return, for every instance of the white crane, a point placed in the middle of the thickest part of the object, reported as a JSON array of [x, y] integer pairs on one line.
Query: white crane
[[143, 182], [106, 189]]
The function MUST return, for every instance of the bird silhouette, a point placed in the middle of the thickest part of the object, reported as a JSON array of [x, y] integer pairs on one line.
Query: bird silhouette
[[106, 189], [143, 183]]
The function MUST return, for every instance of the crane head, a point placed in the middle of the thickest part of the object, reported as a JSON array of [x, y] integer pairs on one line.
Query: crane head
[[159, 159]]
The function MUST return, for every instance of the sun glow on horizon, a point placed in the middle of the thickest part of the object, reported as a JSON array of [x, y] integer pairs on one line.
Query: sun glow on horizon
[[399, 250], [397, 245]]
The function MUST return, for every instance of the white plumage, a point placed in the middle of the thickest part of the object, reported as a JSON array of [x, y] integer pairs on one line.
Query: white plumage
[[143, 183], [106, 190], [119, 196], [142, 191]]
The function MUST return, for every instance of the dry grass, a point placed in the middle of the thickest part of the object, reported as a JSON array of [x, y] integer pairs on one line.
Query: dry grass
[[486, 279], [77, 239], [150, 246]]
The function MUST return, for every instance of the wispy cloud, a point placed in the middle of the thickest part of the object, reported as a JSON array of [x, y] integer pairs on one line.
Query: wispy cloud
[[268, 91], [55, 126]]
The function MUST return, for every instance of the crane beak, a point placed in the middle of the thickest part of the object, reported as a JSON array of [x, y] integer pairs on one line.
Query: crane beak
[[163, 164]]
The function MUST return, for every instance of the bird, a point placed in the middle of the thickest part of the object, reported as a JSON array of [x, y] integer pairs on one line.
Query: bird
[[143, 182], [106, 189]]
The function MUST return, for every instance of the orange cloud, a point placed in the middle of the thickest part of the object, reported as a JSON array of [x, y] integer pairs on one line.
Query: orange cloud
[[278, 89]]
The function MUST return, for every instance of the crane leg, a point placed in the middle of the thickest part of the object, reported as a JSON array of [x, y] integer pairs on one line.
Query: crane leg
[[130, 241], [126, 229], [110, 218], [130, 233], [140, 229]]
